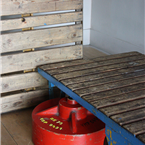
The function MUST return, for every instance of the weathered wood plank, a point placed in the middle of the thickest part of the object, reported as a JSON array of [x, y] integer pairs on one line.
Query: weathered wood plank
[[6, 139], [125, 117], [119, 108], [98, 59], [40, 38], [109, 68], [23, 61], [142, 137], [63, 64], [107, 80], [94, 65], [23, 100], [110, 86], [21, 81], [135, 127], [9, 7], [116, 92], [72, 63], [103, 75], [40, 20]]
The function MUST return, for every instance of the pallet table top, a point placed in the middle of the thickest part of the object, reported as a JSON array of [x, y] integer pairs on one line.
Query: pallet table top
[[111, 87]]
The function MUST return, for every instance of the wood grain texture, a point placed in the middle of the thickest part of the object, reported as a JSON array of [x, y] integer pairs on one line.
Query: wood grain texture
[[135, 127], [99, 70], [94, 65], [40, 38], [142, 137], [117, 98], [63, 64], [121, 118], [116, 109], [40, 20], [6, 138], [23, 100], [102, 76], [24, 61], [112, 93], [19, 125], [113, 79], [99, 58], [21, 81], [110, 86], [9, 7]]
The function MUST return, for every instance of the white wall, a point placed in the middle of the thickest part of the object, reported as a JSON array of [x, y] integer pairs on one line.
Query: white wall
[[118, 25], [87, 21]]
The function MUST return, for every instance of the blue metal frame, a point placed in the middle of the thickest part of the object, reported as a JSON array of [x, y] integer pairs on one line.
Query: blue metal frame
[[115, 138], [51, 92], [122, 134]]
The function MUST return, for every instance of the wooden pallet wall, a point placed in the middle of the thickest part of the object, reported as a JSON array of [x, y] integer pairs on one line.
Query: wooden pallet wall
[[21, 51]]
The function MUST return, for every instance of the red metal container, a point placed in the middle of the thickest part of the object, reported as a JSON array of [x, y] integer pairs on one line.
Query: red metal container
[[66, 124]]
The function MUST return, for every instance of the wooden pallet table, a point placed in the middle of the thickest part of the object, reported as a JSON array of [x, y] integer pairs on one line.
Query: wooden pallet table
[[111, 87]]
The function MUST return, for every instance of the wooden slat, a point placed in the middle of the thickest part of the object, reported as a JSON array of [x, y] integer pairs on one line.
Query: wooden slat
[[40, 20], [136, 127], [23, 61], [9, 7], [63, 64], [124, 107], [103, 75], [142, 137], [21, 81], [65, 76], [94, 65], [98, 59], [107, 80], [110, 86], [23, 100], [121, 118], [114, 93], [41, 38]]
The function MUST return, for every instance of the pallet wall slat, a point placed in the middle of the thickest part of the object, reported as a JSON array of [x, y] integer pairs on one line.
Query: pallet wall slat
[[14, 81], [23, 100], [9, 7], [21, 81], [40, 20], [25, 61], [40, 38]]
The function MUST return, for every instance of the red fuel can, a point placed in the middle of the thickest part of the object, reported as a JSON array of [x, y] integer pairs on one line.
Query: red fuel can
[[66, 123]]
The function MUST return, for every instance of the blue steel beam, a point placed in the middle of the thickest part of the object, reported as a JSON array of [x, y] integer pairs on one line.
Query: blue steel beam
[[51, 92], [130, 138], [114, 138]]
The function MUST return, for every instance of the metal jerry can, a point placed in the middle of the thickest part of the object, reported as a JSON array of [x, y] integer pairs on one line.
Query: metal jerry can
[[65, 122]]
